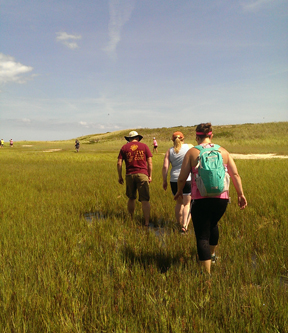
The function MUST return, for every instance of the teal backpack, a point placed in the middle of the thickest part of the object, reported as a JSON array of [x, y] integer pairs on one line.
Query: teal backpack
[[212, 178]]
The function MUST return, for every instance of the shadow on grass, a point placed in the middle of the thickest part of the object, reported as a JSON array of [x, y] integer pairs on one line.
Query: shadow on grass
[[138, 220], [163, 261]]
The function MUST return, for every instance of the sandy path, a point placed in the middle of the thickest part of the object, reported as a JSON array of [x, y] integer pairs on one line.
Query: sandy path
[[256, 156], [50, 150]]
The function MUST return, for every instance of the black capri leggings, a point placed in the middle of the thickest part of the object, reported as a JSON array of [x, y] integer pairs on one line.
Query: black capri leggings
[[205, 215]]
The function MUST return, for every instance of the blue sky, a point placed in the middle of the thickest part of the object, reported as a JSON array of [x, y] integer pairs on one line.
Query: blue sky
[[76, 67]]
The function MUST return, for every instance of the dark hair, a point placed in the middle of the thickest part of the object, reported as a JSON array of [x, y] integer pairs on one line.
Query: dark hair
[[204, 128]]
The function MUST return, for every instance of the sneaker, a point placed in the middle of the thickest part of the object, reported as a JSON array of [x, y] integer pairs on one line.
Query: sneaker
[[213, 258]]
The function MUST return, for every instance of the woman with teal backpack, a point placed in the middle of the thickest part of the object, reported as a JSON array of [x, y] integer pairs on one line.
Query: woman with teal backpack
[[208, 207]]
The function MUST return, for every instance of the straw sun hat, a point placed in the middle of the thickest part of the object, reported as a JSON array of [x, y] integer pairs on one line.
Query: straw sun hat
[[133, 134]]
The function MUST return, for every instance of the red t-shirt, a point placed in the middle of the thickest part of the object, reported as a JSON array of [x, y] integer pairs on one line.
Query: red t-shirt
[[135, 155]]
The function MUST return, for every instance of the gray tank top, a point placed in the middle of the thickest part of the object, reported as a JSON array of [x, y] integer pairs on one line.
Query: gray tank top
[[176, 162]]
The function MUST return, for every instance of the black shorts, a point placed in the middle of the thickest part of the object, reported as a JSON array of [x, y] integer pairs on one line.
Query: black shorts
[[186, 189]]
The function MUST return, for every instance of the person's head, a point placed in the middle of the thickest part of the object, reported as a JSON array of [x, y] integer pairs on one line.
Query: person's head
[[203, 132], [133, 135], [178, 139]]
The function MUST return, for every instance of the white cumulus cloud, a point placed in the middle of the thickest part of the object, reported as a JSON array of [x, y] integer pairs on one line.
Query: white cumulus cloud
[[68, 40], [12, 71], [120, 12]]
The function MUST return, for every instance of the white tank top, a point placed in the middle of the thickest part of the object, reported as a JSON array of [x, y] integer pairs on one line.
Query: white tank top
[[176, 162]]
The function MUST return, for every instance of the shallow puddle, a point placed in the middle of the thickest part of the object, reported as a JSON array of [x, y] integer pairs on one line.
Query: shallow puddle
[[89, 217], [254, 259], [160, 233], [255, 265]]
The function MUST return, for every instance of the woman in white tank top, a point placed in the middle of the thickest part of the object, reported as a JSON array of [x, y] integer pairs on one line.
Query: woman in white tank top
[[175, 156]]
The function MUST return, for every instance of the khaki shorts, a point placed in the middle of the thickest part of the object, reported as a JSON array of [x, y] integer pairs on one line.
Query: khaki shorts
[[137, 181]]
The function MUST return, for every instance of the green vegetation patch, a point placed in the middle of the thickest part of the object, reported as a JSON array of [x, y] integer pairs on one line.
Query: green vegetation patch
[[64, 272]]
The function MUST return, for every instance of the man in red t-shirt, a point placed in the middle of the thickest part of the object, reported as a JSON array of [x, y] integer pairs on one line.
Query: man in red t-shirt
[[138, 160]]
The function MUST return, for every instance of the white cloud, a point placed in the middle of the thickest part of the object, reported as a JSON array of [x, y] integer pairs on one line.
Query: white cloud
[[252, 5], [120, 12], [68, 40], [83, 123], [26, 120], [12, 71]]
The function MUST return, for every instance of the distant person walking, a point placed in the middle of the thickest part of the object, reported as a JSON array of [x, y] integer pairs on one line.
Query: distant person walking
[[11, 143], [77, 145], [2, 143], [207, 211], [175, 156], [138, 160], [155, 146]]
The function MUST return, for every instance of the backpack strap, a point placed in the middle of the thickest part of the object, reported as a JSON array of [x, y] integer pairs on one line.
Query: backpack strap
[[199, 147]]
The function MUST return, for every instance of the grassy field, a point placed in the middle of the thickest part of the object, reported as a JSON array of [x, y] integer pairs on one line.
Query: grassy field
[[72, 261]]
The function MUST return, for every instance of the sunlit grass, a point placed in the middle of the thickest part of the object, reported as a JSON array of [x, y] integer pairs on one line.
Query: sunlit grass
[[63, 272]]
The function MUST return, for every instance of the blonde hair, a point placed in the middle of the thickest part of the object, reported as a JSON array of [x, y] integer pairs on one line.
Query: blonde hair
[[177, 144]]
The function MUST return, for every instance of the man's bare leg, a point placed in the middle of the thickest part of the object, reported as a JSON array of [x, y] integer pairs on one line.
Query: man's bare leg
[[146, 211], [131, 207]]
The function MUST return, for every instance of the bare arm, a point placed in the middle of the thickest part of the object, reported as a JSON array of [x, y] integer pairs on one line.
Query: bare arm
[[119, 169], [184, 173], [233, 173], [165, 169], [149, 164]]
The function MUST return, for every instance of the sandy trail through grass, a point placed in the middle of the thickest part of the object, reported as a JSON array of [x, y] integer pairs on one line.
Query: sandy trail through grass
[[256, 156], [51, 150]]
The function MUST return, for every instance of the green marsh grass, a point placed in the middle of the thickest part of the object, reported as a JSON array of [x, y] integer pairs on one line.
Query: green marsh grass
[[62, 272]]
